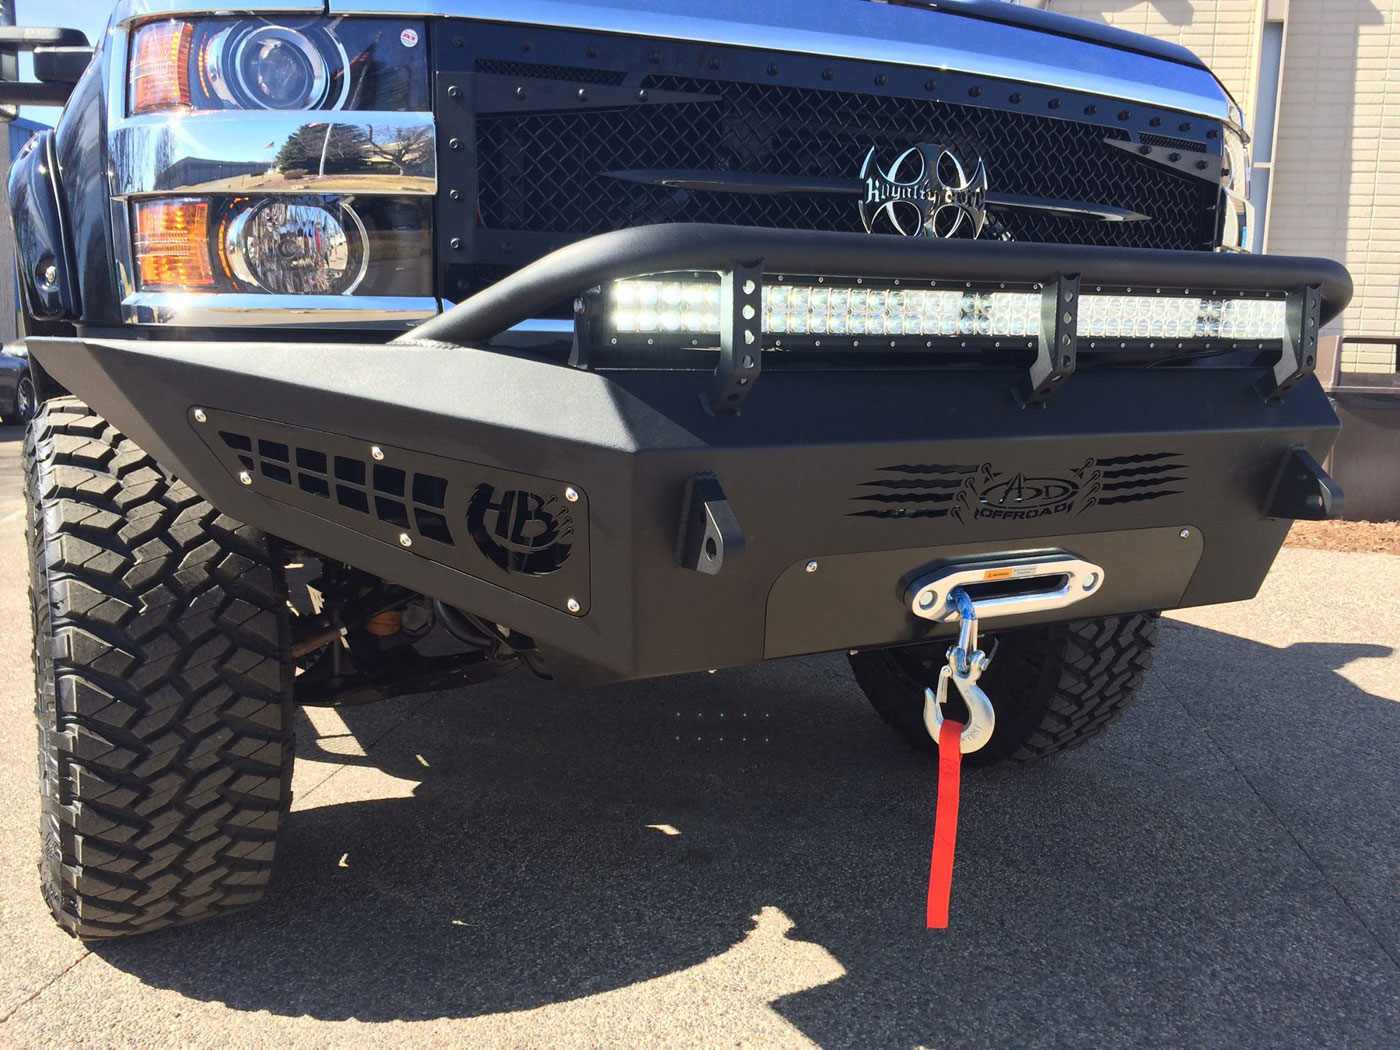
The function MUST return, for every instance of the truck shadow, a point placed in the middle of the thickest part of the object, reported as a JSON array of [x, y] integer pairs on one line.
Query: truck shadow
[[758, 833]]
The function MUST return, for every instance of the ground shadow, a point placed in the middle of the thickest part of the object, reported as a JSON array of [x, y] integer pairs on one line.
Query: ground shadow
[[1140, 889]]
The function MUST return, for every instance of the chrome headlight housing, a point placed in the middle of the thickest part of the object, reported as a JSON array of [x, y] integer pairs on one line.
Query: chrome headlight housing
[[274, 171], [203, 64], [1236, 211]]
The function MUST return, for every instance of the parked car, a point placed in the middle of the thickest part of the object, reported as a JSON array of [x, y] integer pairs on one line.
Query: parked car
[[16, 385], [780, 328]]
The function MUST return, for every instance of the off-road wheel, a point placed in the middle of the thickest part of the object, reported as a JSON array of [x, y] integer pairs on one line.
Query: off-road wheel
[[164, 686], [1053, 687]]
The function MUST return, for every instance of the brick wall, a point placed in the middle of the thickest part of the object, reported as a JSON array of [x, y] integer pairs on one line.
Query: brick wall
[[1336, 187]]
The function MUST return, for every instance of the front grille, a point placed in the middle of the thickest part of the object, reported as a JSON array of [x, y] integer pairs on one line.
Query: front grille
[[510, 68], [543, 172]]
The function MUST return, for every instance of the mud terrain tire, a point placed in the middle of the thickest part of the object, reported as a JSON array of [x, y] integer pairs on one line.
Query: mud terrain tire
[[1053, 687], [163, 682]]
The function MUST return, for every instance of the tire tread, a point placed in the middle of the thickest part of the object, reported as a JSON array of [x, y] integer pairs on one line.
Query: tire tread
[[164, 686], [1054, 688]]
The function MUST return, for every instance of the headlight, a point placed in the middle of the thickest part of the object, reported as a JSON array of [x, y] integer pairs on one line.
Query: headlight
[[1237, 214], [297, 247], [272, 67], [312, 245], [252, 63]]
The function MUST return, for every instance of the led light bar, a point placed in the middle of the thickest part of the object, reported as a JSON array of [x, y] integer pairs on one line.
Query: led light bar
[[1174, 317], [692, 307], [641, 307], [896, 311], [651, 306]]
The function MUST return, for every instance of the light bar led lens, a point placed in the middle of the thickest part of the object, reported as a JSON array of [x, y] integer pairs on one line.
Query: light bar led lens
[[1174, 317], [894, 311], [665, 306], [647, 306]]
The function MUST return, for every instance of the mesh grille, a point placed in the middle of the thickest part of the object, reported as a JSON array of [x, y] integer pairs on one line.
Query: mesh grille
[[1185, 145], [508, 68], [542, 172]]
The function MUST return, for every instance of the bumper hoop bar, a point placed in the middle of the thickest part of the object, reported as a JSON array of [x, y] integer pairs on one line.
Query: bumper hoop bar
[[1318, 289]]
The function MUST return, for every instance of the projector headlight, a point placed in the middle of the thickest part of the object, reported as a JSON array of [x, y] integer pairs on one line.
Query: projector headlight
[[271, 67], [253, 63]]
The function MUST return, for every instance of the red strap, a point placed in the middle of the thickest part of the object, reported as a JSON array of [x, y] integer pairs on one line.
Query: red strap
[[945, 824]]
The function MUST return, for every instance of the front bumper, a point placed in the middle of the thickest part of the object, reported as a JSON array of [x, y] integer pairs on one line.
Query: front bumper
[[574, 504]]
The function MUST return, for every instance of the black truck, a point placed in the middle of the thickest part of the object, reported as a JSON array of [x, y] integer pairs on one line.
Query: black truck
[[608, 339]]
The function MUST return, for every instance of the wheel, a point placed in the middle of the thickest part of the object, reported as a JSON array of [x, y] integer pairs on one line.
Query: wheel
[[24, 400], [164, 686], [1053, 687]]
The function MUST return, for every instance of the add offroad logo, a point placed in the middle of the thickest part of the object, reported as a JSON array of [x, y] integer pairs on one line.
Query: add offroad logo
[[519, 531], [986, 492], [1018, 497]]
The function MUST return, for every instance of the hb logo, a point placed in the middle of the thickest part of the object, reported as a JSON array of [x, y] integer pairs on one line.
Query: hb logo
[[520, 532]]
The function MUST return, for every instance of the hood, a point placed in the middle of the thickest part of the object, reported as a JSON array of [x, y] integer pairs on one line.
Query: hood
[[1060, 25], [982, 37]]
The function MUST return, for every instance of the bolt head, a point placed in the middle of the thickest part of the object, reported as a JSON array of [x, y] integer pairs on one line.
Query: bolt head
[[811, 566], [376, 452], [573, 605], [571, 494], [199, 416], [244, 478], [1185, 534], [405, 540]]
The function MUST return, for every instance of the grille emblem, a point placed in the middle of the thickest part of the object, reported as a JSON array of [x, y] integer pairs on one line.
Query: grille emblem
[[926, 192]]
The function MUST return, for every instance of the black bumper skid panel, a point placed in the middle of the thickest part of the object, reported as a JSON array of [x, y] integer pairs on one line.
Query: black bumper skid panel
[[1163, 477]]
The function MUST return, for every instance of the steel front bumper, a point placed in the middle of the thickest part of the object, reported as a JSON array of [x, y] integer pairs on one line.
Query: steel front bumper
[[632, 532]]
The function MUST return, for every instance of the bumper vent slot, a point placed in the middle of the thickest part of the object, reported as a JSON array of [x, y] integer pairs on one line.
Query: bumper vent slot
[[526, 533]]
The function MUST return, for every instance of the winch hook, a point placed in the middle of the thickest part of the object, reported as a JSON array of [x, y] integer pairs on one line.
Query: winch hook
[[964, 667]]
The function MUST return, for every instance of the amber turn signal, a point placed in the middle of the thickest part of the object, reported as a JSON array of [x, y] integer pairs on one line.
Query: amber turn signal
[[160, 67], [172, 244]]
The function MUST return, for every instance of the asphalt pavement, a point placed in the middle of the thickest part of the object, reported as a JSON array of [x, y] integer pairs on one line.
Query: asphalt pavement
[[740, 860]]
